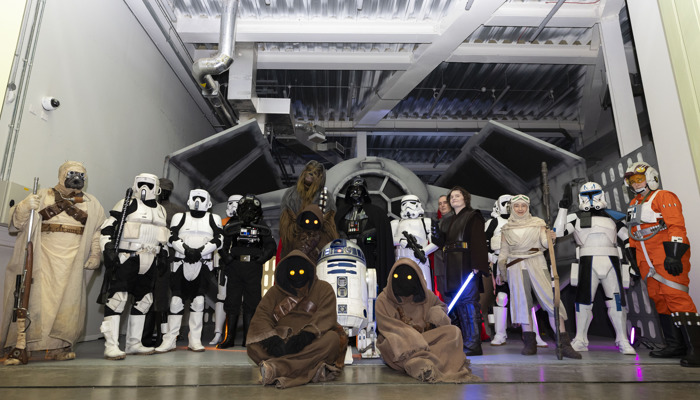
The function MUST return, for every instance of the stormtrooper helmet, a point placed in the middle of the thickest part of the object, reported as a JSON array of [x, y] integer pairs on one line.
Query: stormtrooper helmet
[[199, 200], [503, 204], [232, 205], [411, 207], [642, 168], [249, 209], [590, 196], [146, 187]]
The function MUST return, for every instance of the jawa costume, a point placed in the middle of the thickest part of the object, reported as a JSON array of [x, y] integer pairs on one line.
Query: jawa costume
[[415, 334], [311, 237], [294, 335], [66, 241], [310, 189]]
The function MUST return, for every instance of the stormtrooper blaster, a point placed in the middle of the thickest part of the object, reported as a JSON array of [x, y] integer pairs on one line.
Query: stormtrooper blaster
[[413, 244]]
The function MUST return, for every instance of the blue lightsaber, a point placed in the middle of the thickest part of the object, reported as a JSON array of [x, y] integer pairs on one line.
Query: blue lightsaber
[[464, 286]]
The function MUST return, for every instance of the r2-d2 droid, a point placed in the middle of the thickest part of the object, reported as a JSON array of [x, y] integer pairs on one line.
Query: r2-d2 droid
[[342, 264]]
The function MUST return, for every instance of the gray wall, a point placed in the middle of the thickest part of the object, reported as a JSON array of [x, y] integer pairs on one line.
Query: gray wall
[[122, 109]]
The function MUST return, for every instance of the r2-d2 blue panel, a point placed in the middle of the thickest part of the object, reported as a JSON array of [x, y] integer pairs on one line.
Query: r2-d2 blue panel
[[342, 264]]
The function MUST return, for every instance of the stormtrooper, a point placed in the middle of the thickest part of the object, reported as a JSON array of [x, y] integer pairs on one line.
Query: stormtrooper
[[248, 245], [499, 217], [596, 230], [195, 236], [132, 241], [219, 313], [412, 236]]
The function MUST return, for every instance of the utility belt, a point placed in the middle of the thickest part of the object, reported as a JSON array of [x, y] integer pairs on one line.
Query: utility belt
[[455, 246], [78, 230], [533, 251], [648, 232]]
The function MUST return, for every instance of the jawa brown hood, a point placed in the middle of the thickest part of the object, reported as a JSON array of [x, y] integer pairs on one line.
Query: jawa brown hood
[[294, 259], [417, 299], [315, 210]]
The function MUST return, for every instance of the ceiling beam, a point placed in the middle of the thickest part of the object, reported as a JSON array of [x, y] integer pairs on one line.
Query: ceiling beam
[[512, 53], [343, 60], [426, 126], [531, 14]]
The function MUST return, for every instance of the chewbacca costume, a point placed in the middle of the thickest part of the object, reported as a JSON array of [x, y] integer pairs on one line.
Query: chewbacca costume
[[415, 334], [286, 313]]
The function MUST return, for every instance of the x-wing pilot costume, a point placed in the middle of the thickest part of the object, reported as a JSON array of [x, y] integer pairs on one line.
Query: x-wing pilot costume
[[195, 236], [416, 226], [596, 230], [132, 264], [657, 233]]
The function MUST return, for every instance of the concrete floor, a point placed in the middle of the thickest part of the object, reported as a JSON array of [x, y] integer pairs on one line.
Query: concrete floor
[[602, 374]]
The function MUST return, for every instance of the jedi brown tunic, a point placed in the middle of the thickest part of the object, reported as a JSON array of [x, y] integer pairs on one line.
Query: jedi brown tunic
[[431, 356]]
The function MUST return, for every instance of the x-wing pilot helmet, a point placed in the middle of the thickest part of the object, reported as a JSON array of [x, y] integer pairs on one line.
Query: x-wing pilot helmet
[[411, 207], [641, 168], [232, 205], [146, 187], [503, 204], [591, 196], [199, 200]]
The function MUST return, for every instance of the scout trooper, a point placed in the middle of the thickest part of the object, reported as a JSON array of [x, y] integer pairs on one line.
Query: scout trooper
[[195, 236], [596, 230], [414, 227], [131, 267], [499, 217], [219, 313]]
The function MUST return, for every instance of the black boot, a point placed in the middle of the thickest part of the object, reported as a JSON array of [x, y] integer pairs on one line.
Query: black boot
[[566, 349], [690, 327], [246, 323], [470, 321], [675, 344], [229, 331], [530, 344], [148, 328]]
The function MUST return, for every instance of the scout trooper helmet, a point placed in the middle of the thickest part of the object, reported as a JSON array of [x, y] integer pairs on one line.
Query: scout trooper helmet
[[411, 207], [146, 187], [232, 205], [503, 204], [591, 195], [199, 200], [642, 168]]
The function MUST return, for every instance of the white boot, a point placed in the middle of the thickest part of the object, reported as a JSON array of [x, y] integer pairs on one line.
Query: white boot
[[110, 329], [584, 316], [619, 322], [195, 335], [170, 334], [219, 319], [536, 327], [500, 319], [134, 332]]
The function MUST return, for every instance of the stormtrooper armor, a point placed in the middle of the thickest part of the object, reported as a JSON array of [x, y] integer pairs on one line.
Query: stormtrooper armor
[[232, 205], [417, 227], [596, 230], [132, 263], [342, 264], [195, 235]]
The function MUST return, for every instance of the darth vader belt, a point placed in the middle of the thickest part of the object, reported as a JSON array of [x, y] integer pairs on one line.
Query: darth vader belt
[[78, 230]]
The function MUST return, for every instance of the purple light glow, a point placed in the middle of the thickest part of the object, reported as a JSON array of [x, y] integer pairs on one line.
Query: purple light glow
[[632, 332]]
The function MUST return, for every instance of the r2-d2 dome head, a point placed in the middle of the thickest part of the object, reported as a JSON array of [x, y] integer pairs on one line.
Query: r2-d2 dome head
[[590, 196], [411, 207], [232, 205], [641, 168], [146, 187], [199, 200]]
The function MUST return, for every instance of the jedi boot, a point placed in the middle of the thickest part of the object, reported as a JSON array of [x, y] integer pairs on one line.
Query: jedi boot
[[529, 344], [469, 325], [566, 349]]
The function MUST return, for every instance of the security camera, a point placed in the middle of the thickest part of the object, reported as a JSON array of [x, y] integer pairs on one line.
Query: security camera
[[50, 103]]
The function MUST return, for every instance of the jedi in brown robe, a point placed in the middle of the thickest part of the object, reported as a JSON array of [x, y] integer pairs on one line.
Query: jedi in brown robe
[[415, 334], [294, 335]]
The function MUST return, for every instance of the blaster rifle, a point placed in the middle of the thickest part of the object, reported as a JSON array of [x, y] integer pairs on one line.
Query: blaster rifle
[[413, 244], [556, 293], [116, 238], [18, 355]]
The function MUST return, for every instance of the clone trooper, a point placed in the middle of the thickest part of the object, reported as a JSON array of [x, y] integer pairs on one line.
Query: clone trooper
[[132, 264], [219, 313], [195, 236], [418, 229], [499, 217], [596, 230]]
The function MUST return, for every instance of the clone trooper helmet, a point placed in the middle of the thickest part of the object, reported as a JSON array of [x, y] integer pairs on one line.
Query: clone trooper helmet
[[232, 205], [503, 204], [642, 168], [249, 209], [411, 207], [591, 195], [146, 187], [199, 200]]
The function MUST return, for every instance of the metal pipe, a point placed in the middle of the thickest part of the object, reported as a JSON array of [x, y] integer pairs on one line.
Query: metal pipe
[[17, 111], [546, 19], [495, 101], [224, 58]]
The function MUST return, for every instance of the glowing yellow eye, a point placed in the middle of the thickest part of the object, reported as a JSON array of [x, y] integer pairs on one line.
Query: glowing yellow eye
[[307, 221], [410, 277], [315, 222], [301, 272], [291, 273], [396, 275]]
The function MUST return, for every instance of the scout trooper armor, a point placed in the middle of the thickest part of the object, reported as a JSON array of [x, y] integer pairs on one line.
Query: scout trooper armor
[[132, 264], [414, 227], [596, 230], [195, 235]]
